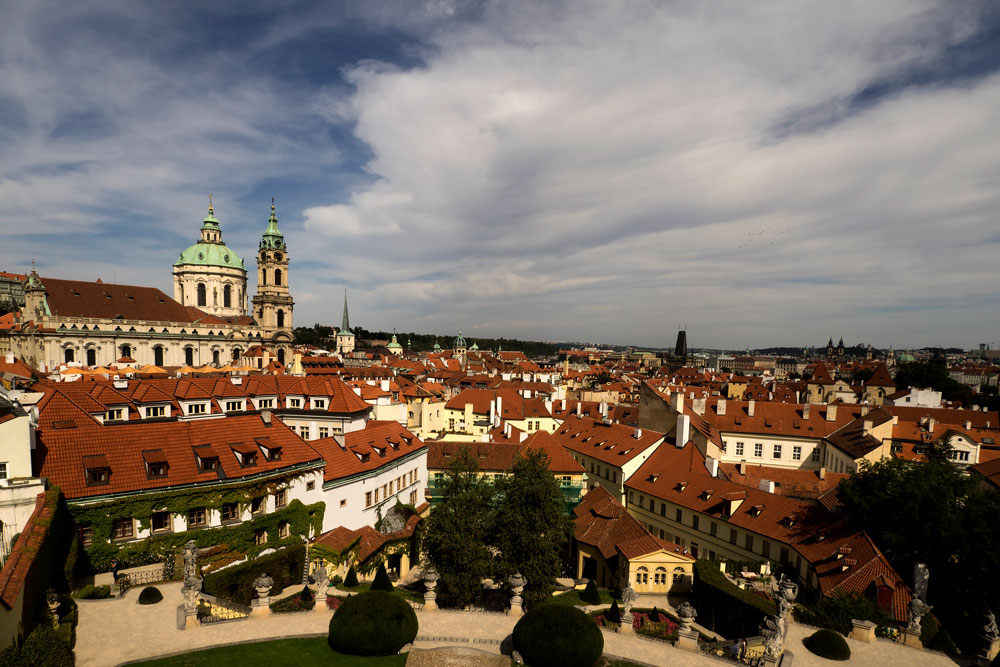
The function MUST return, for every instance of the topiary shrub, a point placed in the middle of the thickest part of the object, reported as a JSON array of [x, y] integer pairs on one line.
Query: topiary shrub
[[91, 592], [655, 616], [306, 595], [150, 595], [614, 614], [372, 623], [43, 647], [590, 594], [352, 578], [382, 582], [556, 635], [828, 644]]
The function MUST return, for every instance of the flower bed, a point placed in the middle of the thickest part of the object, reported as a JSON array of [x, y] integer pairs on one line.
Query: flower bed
[[333, 603], [664, 629], [293, 603]]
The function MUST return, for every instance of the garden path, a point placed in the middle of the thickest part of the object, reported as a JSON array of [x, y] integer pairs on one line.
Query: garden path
[[111, 632]]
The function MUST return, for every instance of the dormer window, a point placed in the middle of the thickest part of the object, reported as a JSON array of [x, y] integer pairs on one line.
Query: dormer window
[[197, 408], [97, 470], [245, 453], [265, 403], [156, 463], [681, 486], [156, 411], [756, 510], [319, 403], [234, 406], [707, 494], [271, 452], [295, 402], [114, 415]]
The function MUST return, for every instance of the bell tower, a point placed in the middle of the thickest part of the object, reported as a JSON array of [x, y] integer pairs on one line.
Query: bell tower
[[272, 305]]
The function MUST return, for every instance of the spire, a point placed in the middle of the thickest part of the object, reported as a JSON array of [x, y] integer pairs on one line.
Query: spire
[[211, 210], [272, 238], [345, 325], [210, 223]]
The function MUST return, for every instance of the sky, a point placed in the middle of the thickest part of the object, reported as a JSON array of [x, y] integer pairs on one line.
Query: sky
[[759, 173]]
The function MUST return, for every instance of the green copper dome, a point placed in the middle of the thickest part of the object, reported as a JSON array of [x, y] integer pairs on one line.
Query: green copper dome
[[459, 342], [211, 254], [272, 238], [475, 346], [395, 343]]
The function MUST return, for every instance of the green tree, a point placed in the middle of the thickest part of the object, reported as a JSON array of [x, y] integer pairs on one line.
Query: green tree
[[530, 525], [456, 536]]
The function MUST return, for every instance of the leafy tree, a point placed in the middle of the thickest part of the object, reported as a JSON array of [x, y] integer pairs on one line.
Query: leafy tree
[[836, 612], [862, 375], [456, 535], [530, 525]]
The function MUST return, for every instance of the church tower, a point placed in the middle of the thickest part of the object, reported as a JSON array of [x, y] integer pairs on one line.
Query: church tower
[[272, 305], [345, 339]]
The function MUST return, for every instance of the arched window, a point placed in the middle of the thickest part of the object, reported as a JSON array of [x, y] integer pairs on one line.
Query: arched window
[[126, 350], [189, 356], [202, 295], [678, 575], [91, 357], [215, 297], [215, 357], [236, 353], [281, 318], [68, 355], [281, 357], [158, 355], [642, 576], [277, 276], [227, 296], [660, 576]]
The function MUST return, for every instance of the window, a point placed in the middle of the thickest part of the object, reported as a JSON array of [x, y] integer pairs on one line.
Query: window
[[189, 356], [3, 471], [157, 469], [295, 402], [260, 536], [197, 517], [343, 502], [230, 512], [678, 575], [156, 411], [777, 451], [257, 505], [722, 447], [310, 486], [197, 408], [784, 555], [86, 535], [614, 476], [281, 318], [651, 505], [324, 432], [732, 536], [713, 528], [679, 515], [202, 299], [758, 449], [265, 403], [96, 476], [227, 296], [694, 521], [280, 497], [815, 455], [92, 358], [284, 530], [113, 415], [368, 498], [68, 355], [413, 497], [277, 276], [749, 542], [232, 406], [765, 549], [123, 529], [642, 576], [161, 522], [663, 509], [739, 449], [796, 453], [660, 576]]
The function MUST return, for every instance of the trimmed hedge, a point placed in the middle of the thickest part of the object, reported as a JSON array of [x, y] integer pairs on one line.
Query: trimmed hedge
[[828, 644], [150, 595], [554, 635], [372, 623], [236, 583], [42, 647], [91, 592], [352, 578], [301, 601], [614, 614], [724, 607], [590, 594], [382, 582]]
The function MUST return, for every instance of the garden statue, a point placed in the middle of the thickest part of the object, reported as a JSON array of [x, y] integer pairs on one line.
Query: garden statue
[[686, 615], [52, 600], [430, 581], [517, 583], [787, 592], [262, 585], [629, 596], [321, 577], [990, 630], [192, 582], [916, 611], [773, 641]]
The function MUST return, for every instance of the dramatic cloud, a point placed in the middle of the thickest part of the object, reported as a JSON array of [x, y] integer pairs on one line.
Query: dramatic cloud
[[599, 171]]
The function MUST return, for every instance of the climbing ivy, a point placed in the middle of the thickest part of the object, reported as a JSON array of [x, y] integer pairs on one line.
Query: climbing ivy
[[302, 520]]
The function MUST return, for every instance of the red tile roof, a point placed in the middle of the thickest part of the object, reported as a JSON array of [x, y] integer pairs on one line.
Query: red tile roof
[[615, 444], [380, 443], [61, 453], [601, 522], [513, 404], [368, 539], [76, 298]]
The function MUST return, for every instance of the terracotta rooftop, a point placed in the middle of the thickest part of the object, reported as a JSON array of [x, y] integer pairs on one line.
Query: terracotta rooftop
[[615, 444], [379, 444]]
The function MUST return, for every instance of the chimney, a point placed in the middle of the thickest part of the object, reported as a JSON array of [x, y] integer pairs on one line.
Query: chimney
[[796, 395], [683, 430], [340, 440], [265, 417], [968, 424], [524, 436], [604, 408], [579, 408], [864, 409], [831, 412], [493, 412], [638, 434], [526, 393], [751, 405], [822, 472], [930, 425], [712, 465], [766, 485], [805, 411], [384, 385], [720, 407], [867, 425], [698, 405], [506, 429], [499, 407], [743, 467], [357, 390], [677, 401]]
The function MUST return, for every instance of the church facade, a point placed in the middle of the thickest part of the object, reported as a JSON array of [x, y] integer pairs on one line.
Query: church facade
[[205, 323]]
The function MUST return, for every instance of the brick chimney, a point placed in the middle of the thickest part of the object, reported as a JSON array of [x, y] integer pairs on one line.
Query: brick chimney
[[831, 412], [683, 431], [805, 411], [751, 405], [720, 407]]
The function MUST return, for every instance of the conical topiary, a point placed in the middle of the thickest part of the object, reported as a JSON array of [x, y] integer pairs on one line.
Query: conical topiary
[[352, 578], [654, 615], [306, 594], [381, 582], [590, 594], [613, 615]]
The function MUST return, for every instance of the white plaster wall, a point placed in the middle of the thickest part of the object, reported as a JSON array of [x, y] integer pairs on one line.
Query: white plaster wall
[[354, 514]]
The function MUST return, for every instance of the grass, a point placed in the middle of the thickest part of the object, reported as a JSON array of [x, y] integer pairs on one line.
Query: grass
[[364, 586], [573, 598], [312, 651]]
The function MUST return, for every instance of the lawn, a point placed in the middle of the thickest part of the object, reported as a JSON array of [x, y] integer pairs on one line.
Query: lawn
[[312, 651], [573, 597]]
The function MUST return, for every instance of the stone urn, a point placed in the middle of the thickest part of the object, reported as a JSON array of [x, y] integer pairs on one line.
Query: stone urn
[[430, 581], [686, 615], [262, 585], [517, 583], [52, 600]]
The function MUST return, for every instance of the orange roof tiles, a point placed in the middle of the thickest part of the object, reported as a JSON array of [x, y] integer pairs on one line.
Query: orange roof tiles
[[380, 443], [612, 443], [602, 522]]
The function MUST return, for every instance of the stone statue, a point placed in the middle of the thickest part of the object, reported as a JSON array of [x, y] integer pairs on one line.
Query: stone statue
[[192, 582], [787, 592], [686, 615], [990, 631], [773, 641], [321, 577], [629, 596], [916, 611], [262, 585], [921, 575]]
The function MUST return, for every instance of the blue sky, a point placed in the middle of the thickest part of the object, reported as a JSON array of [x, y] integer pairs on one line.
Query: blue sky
[[765, 174]]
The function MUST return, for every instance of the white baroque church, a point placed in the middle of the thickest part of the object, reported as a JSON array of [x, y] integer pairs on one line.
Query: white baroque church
[[207, 321]]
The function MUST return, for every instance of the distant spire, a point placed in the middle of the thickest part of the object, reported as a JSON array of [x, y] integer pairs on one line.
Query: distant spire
[[345, 325], [211, 210]]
